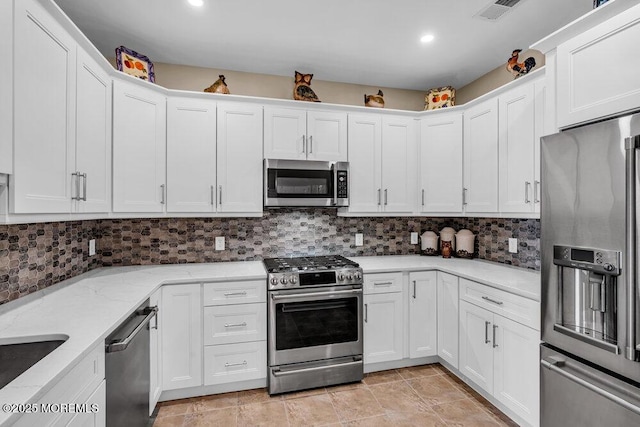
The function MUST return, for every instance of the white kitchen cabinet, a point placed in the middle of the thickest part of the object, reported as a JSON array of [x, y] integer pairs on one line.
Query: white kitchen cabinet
[[239, 158], [181, 335], [191, 155], [92, 417], [441, 163], [422, 314], [383, 317], [517, 149], [230, 363], [291, 133], [543, 126], [448, 320], [227, 324], [597, 71], [44, 112], [480, 192], [155, 352], [382, 153], [476, 345], [139, 148], [6, 87]]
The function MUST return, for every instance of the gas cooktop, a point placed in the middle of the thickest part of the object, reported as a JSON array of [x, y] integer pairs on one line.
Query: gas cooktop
[[326, 262], [331, 270]]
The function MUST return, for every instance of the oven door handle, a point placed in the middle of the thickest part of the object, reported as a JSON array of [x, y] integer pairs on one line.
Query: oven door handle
[[315, 294], [279, 373]]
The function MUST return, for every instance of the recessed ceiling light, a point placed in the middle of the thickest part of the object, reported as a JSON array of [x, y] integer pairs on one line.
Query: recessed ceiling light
[[427, 38], [196, 3]]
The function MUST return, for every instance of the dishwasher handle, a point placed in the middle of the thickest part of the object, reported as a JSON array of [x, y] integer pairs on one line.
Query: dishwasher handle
[[149, 313]]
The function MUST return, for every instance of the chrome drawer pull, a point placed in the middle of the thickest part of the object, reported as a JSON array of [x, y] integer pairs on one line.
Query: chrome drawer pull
[[232, 294], [492, 300], [382, 283], [243, 363], [235, 325], [495, 327], [486, 332]]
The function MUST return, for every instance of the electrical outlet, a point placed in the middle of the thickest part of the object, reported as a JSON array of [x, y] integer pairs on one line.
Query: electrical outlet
[[359, 239], [414, 238], [92, 247], [513, 245], [220, 243]]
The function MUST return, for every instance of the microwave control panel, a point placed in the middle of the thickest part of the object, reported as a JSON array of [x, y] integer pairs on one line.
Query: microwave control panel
[[342, 184]]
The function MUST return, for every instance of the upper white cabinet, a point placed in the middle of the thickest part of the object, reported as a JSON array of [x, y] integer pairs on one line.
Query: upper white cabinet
[[6, 87], [44, 113], [191, 155], [291, 133], [597, 71], [441, 163], [422, 314], [481, 157], [382, 153], [239, 158], [139, 148]]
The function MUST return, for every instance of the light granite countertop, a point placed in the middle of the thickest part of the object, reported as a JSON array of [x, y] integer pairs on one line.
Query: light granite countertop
[[89, 307]]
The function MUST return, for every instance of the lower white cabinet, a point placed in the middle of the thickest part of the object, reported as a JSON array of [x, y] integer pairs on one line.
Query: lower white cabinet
[[476, 345], [181, 320], [226, 324], [383, 318], [155, 353], [235, 362], [91, 418], [448, 318], [422, 314]]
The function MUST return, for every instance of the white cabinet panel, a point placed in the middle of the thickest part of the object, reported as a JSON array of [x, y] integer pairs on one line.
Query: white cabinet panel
[[181, 320], [383, 328], [44, 112], [139, 148], [239, 159], [441, 163], [422, 314], [6, 87], [239, 292], [155, 352], [191, 155], [285, 133], [235, 362], [365, 163], [448, 318], [95, 415], [327, 135], [227, 324], [476, 345], [481, 157], [382, 283], [398, 164]]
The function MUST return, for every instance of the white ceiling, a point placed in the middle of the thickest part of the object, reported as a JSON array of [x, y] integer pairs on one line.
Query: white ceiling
[[371, 42]]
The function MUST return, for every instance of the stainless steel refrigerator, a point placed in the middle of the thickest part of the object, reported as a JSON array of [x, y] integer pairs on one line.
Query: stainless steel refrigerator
[[590, 374]]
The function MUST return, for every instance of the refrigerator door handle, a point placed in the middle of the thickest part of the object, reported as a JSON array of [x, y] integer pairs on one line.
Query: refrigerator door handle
[[555, 364], [632, 145]]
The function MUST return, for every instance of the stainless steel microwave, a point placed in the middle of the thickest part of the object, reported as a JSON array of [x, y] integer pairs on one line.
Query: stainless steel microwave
[[305, 183]]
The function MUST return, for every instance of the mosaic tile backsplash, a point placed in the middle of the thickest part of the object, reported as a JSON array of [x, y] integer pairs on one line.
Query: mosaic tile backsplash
[[34, 256]]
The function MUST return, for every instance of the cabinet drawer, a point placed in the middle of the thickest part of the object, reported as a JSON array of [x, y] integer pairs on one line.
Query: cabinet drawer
[[75, 387], [511, 306], [235, 323], [382, 283], [235, 362], [246, 291]]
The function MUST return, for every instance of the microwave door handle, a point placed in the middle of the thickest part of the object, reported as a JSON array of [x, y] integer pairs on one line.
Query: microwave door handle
[[335, 184], [631, 174]]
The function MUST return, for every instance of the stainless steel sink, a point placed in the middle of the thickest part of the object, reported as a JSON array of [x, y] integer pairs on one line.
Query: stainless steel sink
[[19, 354]]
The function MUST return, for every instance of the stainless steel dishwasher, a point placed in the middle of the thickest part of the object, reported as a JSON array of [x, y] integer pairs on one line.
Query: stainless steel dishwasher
[[127, 369]]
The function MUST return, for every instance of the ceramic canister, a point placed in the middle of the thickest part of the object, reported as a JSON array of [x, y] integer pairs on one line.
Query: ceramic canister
[[448, 234], [429, 242], [465, 240]]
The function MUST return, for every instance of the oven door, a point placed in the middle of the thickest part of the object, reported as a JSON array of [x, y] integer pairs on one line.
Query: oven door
[[314, 324]]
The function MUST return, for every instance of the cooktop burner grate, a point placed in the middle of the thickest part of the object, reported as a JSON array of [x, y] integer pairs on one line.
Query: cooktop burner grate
[[326, 262]]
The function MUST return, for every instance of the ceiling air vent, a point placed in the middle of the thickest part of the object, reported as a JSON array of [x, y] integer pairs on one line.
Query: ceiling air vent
[[496, 9]]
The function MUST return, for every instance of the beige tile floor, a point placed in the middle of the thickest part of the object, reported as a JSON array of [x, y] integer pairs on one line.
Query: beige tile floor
[[427, 395]]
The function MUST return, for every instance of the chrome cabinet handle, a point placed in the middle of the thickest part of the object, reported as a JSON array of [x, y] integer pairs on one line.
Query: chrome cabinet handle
[[527, 184], [423, 197], [414, 289], [631, 228], [311, 144], [84, 187], [235, 325], [77, 177], [304, 143], [243, 363], [464, 196], [385, 197], [536, 198], [492, 300], [366, 313], [495, 327], [383, 283], [231, 294], [486, 332], [213, 197], [162, 194], [379, 196], [220, 194], [155, 326]]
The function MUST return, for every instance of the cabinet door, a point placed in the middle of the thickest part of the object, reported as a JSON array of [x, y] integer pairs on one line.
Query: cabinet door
[[93, 134], [516, 369], [365, 165], [181, 320], [441, 163], [327, 136], [383, 329], [516, 141], [398, 164], [285, 133], [422, 314], [476, 345], [542, 126], [191, 155], [481, 157], [239, 158], [139, 148], [6, 87], [155, 352], [44, 112], [448, 318], [91, 418]]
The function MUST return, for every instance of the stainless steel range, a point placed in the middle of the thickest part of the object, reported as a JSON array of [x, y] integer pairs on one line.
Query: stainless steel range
[[315, 322]]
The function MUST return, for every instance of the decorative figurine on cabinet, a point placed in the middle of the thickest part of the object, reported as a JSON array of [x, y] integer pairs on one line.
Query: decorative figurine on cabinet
[[520, 68], [374, 100], [302, 90], [219, 86]]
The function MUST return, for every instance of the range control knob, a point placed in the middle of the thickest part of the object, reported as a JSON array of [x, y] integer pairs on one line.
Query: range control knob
[[274, 281], [609, 267], [283, 280], [341, 277], [293, 280], [358, 276], [349, 277]]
